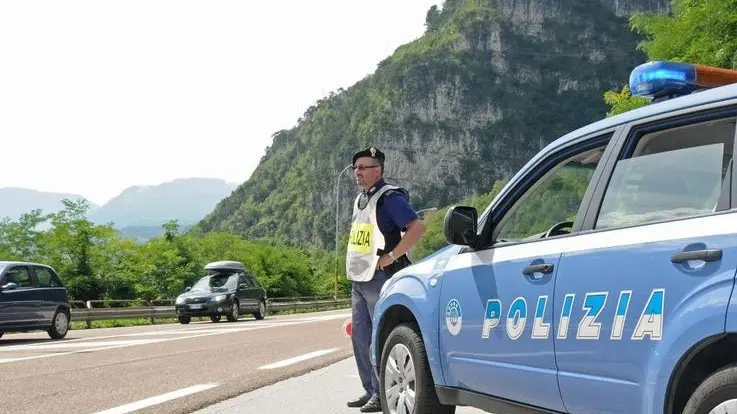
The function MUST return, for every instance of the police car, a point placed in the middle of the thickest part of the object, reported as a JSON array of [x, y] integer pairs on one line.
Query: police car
[[599, 280]]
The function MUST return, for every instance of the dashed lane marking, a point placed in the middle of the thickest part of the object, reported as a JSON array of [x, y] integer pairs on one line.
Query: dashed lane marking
[[148, 402], [297, 359]]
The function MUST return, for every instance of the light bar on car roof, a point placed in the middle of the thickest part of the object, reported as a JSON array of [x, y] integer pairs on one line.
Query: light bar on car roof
[[663, 79]]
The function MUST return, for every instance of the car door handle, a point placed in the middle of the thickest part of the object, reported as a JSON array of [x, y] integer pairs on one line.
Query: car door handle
[[538, 268], [707, 255]]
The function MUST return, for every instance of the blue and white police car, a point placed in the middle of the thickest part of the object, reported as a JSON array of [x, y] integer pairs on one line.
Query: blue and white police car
[[599, 280]]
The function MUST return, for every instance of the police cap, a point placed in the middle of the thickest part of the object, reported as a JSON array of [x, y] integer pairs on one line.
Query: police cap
[[371, 152]]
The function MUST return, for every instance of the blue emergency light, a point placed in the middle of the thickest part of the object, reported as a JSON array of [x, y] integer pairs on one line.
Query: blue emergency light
[[663, 80]]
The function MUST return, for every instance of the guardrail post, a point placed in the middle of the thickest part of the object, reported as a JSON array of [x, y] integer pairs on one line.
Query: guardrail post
[[151, 312], [89, 306]]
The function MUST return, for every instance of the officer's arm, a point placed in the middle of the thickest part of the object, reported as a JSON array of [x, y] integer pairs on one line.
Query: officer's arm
[[415, 230]]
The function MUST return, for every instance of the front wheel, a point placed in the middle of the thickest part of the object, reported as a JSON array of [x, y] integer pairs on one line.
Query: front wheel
[[406, 382], [716, 395], [234, 312], [261, 313]]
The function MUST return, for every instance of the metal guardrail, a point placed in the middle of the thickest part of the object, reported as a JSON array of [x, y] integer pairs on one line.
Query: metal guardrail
[[122, 309]]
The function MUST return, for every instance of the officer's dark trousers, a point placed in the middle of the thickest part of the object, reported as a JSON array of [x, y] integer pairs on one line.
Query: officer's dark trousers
[[363, 300]]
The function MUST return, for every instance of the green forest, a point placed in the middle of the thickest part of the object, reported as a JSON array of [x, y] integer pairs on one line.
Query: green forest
[[95, 262], [288, 253]]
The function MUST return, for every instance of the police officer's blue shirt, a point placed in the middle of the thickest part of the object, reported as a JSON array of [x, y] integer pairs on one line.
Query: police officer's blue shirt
[[395, 212]]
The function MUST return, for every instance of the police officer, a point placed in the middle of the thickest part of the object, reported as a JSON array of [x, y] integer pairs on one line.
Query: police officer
[[376, 250]]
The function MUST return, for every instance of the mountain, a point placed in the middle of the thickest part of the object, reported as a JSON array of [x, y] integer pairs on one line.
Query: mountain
[[142, 234], [187, 200], [16, 201], [487, 86]]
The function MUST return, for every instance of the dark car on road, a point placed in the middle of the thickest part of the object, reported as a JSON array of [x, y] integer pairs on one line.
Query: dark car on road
[[227, 289], [32, 298]]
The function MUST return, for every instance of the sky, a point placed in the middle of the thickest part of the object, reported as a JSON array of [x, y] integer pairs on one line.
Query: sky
[[97, 96]]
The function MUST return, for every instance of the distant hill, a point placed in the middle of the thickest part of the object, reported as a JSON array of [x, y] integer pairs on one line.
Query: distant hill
[[187, 200], [16, 201], [142, 234]]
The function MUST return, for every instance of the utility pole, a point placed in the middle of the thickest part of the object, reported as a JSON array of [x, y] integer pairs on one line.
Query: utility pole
[[337, 211]]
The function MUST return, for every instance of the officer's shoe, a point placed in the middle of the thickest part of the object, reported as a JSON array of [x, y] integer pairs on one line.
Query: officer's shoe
[[372, 406], [360, 401]]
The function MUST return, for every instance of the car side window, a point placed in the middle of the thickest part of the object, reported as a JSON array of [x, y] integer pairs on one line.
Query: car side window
[[253, 280], [670, 174], [18, 275], [243, 279], [45, 277], [554, 198], [55, 279]]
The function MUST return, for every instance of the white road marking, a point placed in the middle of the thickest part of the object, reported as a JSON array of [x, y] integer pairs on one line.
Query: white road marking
[[300, 358], [148, 402], [121, 344], [93, 344], [62, 345]]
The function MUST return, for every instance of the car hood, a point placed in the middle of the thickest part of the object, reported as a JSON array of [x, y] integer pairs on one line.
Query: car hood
[[198, 294], [426, 269]]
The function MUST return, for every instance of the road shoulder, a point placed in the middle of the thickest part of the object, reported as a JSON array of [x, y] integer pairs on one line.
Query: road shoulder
[[323, 391]]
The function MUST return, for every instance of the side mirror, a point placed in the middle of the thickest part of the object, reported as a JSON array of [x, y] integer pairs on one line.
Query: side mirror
[[243, 286], [9, 286], [187, 288], [460, 226]]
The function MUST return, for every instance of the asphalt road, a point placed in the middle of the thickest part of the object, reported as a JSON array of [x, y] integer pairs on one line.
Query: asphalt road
[[323, 391], [163, 368]]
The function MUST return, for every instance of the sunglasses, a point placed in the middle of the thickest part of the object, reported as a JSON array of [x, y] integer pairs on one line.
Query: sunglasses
[[362, 167]]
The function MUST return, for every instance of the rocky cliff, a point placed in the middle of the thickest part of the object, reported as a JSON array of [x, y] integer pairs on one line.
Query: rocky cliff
[[487, 86]]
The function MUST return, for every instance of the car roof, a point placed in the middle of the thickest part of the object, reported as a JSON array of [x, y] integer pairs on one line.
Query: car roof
[[706, 96], [699, 98], [224, 265], [11, 263], [702, 97]]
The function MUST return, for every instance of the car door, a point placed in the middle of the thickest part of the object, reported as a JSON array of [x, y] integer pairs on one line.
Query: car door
[[660, 243], [51, 293], [496, 331], [19, 305], [259, 292], [245, 289], [254, 292]]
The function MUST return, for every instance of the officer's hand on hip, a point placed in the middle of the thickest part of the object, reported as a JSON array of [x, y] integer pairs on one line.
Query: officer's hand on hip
[[384, 261]]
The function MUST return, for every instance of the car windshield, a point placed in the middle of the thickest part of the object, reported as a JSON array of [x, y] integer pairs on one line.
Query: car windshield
[[216, 282]]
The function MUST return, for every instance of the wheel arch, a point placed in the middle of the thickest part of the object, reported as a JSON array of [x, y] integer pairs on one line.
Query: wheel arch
[[405, 312], [702, 359]]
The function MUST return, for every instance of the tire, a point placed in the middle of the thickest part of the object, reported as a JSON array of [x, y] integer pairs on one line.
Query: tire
[[184, 319], [718, 389], [1, 334], [405, 343], [261, 313], [234, 313], [59, 324]]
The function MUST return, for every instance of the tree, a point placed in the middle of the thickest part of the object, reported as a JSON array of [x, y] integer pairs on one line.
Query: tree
[[70, 243], [432, 19], [697, 31], [21, 240], [623, 101]]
